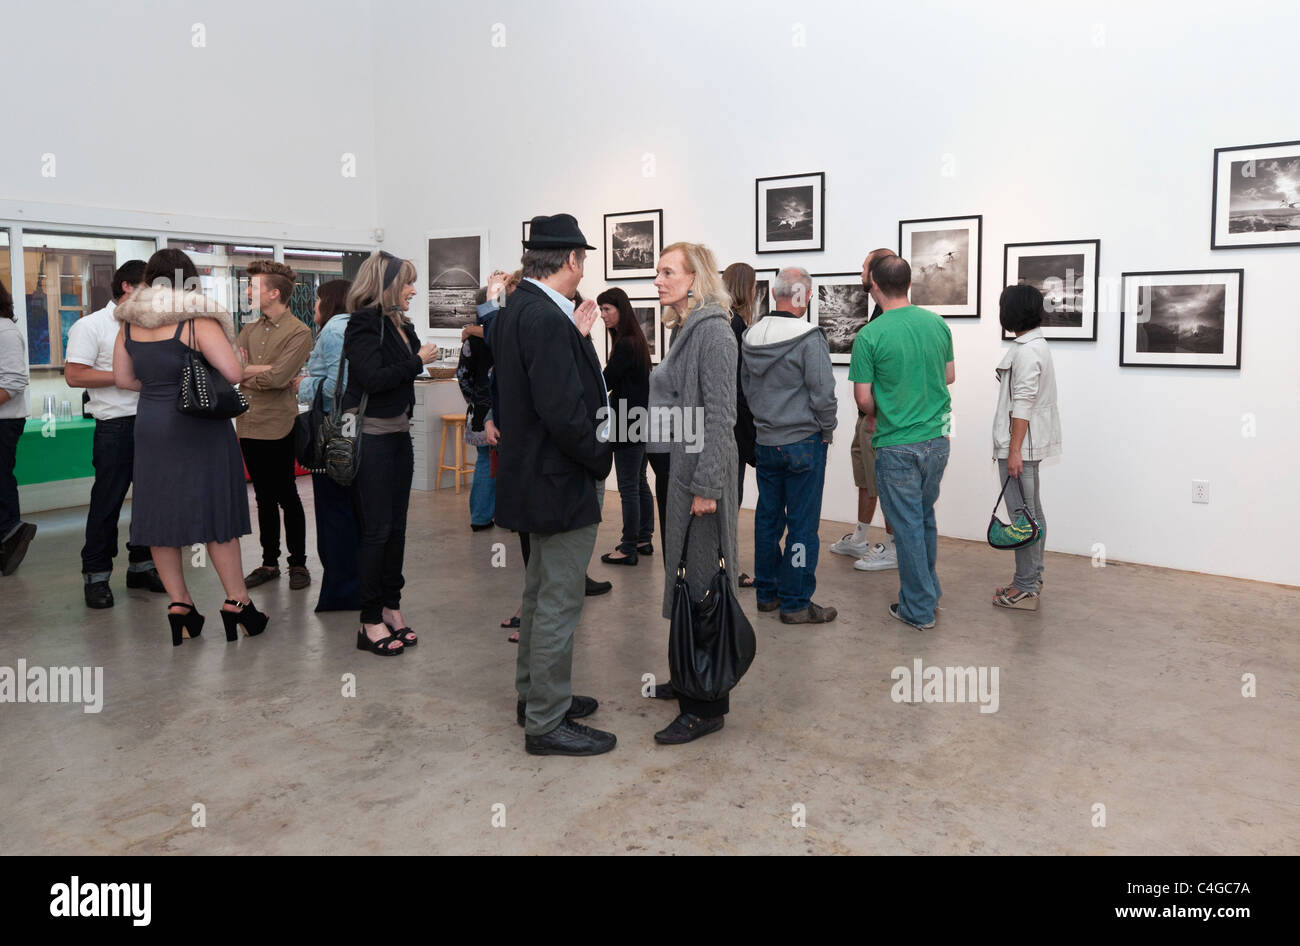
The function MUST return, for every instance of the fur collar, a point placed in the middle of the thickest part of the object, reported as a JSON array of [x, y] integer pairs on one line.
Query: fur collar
[[154, 306]]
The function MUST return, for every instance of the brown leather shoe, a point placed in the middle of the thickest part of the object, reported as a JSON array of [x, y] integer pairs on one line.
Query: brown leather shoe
[[299, 577], [261, 575], [813, 614]]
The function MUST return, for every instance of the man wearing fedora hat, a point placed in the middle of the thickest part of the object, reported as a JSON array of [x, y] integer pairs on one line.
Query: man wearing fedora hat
[[552, 462]]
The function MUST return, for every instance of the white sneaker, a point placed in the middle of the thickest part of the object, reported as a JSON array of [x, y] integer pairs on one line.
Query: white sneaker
[[846, 546], [878, 558]]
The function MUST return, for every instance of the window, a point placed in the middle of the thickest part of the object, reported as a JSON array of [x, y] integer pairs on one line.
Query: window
[[315, 267], [66, 277], [223, 271]]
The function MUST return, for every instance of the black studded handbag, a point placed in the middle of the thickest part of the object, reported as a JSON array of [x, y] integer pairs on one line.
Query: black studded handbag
[[203, 391]]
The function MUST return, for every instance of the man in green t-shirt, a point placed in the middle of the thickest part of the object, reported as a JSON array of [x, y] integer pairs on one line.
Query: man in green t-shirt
[[901, 367]]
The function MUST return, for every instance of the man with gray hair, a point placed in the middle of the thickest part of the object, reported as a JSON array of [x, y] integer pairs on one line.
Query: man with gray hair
[[787, 379]]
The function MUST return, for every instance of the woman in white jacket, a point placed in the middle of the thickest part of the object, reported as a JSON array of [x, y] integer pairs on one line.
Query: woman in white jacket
[[1026, 431]]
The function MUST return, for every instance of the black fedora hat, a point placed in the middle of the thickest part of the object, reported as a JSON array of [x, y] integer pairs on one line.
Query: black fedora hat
[[555, 233]]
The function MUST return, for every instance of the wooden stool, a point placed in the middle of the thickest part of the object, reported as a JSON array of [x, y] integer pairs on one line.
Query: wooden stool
[[457, 423]]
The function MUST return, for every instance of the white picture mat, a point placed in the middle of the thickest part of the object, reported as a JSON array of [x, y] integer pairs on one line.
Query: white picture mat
[[1129, 354], [815, 181], [424, 278], [975, 250], [655, 217], [1089, 251], [1223, 197]]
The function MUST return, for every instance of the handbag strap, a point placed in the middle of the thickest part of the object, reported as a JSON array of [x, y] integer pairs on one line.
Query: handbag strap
[[1019, 489], [338, 383], [686, 544]]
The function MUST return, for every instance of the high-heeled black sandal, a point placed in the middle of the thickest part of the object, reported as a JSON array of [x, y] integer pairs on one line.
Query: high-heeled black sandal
[[248, 617], [384, 647], [191, 621]]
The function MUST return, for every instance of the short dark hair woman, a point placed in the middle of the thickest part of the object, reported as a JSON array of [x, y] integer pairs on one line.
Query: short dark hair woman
[[1026, 431], [627, 377], [384, 358], [15, 535]]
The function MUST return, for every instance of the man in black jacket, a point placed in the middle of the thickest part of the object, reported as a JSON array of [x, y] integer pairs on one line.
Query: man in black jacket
[[553, 458]]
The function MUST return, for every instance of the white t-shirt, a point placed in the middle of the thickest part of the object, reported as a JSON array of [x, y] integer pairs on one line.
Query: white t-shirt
[[90, 343]]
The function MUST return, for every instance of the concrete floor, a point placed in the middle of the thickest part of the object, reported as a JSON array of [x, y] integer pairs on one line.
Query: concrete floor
[[1125, 691]]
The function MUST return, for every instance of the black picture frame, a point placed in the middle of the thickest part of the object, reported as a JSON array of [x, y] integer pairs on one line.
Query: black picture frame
[[1060, 333], [907, 229], [1221, 200], [839, 337], [615, 271], [1187, 362], [763, 304], [816, 207], [524, 232]]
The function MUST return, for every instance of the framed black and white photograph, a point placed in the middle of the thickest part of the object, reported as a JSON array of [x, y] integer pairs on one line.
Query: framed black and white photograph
[[650, 314], [527, 228], [633, 242], [945, 256], [790, 213], [1256, 196], [763, 301], [457, 266], [1065, 272], [840, 307], [1183, 319]]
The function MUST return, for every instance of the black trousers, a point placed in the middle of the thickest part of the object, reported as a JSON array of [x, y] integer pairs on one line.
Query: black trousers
[[336, 545], [11, 428], [634, 492], [270, 465], [113, 455], [659, 462], [382, 495]]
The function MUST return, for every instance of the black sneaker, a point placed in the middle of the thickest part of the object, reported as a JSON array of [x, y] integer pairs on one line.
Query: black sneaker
[[99, 595], [580, 707], [688, 727], [14, 548], [146, 579], [570, 738], [597, 587]]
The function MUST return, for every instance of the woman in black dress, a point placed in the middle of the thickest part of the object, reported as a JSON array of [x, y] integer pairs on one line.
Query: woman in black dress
[[627, 376], [189, 474]]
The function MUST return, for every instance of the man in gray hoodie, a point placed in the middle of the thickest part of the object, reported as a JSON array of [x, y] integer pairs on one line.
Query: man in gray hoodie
[[787, 379]]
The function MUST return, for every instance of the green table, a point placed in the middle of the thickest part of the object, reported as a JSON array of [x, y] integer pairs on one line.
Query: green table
[[66, 455]]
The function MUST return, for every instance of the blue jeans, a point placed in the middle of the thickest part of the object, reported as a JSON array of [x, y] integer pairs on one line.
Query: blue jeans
[[790, 480], [483, 491], [907, 478], [634, 491]]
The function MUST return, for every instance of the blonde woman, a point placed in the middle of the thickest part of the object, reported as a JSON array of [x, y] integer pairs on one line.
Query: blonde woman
[[384, 357], [698, 379]]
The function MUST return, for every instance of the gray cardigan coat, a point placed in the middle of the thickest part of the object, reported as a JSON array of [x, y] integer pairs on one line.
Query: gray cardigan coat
[[700, 372]]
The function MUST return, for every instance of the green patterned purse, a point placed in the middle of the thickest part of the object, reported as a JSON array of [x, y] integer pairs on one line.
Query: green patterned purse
[[1024, 531]]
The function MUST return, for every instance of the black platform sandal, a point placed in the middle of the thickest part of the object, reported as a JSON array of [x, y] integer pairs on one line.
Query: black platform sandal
[[384, 647], [248, 617], [403, 634], [191, 622]]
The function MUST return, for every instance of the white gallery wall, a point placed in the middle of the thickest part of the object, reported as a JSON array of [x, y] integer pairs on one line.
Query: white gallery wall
[[228, 117], [1054, 121]]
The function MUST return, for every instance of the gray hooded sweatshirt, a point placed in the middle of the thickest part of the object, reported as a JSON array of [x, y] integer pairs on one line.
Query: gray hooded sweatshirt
[[786, 375]]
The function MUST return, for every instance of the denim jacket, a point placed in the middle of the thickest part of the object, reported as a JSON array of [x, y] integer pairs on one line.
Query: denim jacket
[[1028, 366], [323, 363]]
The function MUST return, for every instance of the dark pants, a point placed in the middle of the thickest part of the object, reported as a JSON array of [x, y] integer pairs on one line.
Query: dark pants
[[634, 491], [113, 456], [659, 462], [382, 493], [790, 480], [270, 465], [10, 430], [336, 545]]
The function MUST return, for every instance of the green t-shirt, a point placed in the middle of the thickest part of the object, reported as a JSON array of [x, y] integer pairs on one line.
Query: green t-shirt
[[902, 354]]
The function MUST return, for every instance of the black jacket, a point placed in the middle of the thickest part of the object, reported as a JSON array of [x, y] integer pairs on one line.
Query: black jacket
[[744, 417], [474, 373], [388, 372], [551, 392], [627, 381]]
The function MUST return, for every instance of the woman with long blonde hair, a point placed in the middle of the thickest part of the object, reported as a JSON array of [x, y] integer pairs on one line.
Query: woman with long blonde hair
[[384, 357], [697, 382]]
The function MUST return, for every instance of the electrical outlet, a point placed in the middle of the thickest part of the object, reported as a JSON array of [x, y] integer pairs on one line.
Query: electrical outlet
[[1201, 491]]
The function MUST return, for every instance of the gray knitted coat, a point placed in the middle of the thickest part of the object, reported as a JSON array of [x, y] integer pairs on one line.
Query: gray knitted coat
[[700, 372]]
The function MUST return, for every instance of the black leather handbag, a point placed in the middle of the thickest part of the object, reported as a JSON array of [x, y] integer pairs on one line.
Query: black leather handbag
[[711, 643], [341, 433], [309, 434], [203, 391]]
